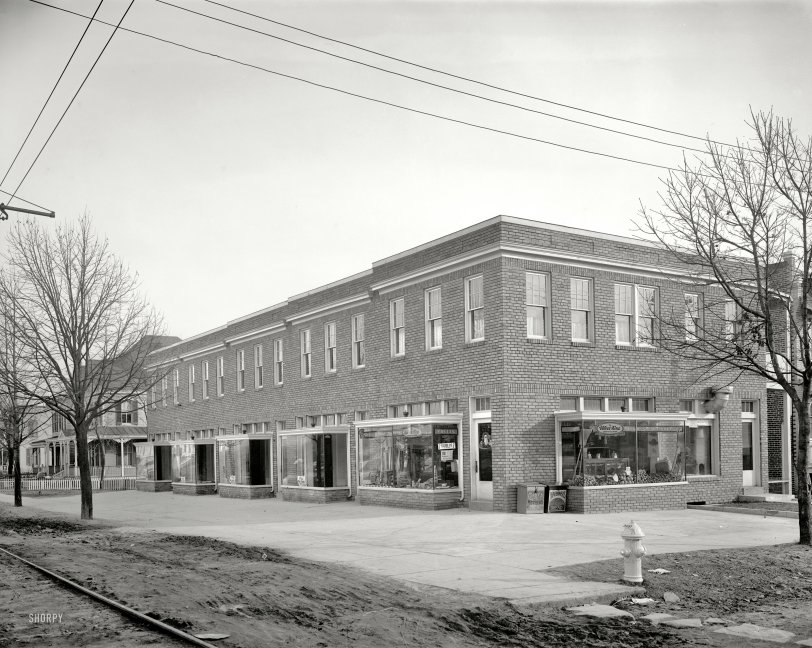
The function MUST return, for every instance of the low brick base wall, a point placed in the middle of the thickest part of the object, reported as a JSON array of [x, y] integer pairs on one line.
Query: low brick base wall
[[154, 486], [619, 499], [245, 492], [315, 495], [183, 488], [412, 499]]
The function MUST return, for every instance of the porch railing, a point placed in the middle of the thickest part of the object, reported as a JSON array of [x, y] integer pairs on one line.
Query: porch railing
[[110, 483]]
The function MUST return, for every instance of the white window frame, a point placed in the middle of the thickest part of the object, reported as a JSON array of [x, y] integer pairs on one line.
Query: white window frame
[[537, 300], [176, 388], [221, 376], [358, 343], [241, 370], [306, 353], [279, 361], [330, 350], [731, 319], [434, 319], [577, 306], [164, 389], [205, 377], [693, 316], [153, 397], [473, 311], [191, 383], [635, 317], [259, 377], [397, 327]]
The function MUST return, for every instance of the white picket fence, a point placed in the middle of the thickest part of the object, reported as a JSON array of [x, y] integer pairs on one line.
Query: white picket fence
[[110, 484]]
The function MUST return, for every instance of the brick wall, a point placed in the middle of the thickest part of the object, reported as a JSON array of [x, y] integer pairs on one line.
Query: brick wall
[[179, 488], [617, 499], [315, 495], [245, 492], [425, 500]]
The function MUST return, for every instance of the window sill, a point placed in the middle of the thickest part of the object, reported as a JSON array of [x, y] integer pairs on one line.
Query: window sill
[[318, 488], [394, 489], [582, 343], [397, 358], [359, 368], [704, 478], [330, 374], [435, 350], [534, 340], [259, 388], [632, 347], [474, 343]]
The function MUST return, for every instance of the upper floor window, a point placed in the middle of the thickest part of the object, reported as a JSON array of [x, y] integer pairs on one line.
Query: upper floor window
[[537, 304], [434, 319], [279, 362], [397, 328], [692, 312], [241, 370], [581, 309], [206, 383], [731, 319], [153, 402], [221, 376], [306, 355], [258, 375], [330, 359], [191, 383], [127, 413], [163, 390], [176, 388], [358, 359], [474, 309], [635, 313]]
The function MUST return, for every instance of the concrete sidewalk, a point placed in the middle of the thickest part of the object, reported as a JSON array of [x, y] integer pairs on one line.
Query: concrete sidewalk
[[493, 554]]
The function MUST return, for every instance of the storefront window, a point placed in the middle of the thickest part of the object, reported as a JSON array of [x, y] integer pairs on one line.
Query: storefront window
[[422, 456], [316, 459], [245, 462], [698, 450], [144, 462], [193, 462], [606, 453]]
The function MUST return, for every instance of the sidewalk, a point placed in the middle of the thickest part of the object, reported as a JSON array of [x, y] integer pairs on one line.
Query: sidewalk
[[494, 554]]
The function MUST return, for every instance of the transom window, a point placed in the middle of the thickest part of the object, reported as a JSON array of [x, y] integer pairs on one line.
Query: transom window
[[537, 304], [605, 404]]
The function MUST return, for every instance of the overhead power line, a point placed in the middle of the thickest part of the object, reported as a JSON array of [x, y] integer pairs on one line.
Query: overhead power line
[[51, 94], [372, 99], [76, 94], [469, 79], [424, 81], [27, 202]]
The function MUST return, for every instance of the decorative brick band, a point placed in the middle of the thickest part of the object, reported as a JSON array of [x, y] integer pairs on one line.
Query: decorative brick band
[[183, 488], [431, 500], [245, 492], [315, 495], [154, 486]]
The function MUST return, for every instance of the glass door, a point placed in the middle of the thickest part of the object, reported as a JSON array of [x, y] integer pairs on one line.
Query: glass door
[[748, 454], [483, 466]]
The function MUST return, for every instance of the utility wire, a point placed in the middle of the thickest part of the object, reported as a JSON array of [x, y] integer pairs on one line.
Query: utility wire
[[372, 99], [468, 79], [27, 202], [430, 83], [31, 130], [76, 94]]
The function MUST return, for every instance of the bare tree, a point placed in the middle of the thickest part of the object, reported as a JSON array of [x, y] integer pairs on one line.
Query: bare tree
[[82, 325], [741, 219]]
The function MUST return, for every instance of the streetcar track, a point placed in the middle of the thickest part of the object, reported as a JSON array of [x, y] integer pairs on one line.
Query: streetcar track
[[152, 623]]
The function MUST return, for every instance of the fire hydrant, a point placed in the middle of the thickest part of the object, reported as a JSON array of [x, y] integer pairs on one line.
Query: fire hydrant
[[632, 552]]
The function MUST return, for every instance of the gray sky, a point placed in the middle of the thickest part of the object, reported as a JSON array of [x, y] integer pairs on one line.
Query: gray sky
[[228, 189]]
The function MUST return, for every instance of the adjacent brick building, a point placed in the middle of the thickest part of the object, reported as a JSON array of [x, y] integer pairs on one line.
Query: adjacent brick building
[[510, 352]]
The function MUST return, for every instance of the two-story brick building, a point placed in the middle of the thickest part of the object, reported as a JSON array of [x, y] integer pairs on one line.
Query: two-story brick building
[[509, 352]]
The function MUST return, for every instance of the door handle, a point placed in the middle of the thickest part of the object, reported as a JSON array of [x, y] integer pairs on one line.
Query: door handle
[[476, 466]]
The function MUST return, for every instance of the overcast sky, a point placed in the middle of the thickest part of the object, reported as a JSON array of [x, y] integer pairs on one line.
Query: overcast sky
[[228, 189]]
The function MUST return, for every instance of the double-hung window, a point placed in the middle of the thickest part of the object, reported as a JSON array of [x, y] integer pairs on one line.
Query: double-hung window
[[434, 319], [330, 359], [258, 375], [191, 383], [581, 309], [164, 382], [205, 370], [474, 309], [279, 362], [635, 314], [397, 328], [537, 304], [692, 311], [731, 321], [176, 388], [153, 402], [241, 370], [306, 355], [221, 376], [358, 352]]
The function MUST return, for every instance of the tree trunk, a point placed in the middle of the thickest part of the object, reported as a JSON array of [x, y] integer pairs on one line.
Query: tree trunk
[[18, 477], [803, 476], [102, 458], [85, 483]]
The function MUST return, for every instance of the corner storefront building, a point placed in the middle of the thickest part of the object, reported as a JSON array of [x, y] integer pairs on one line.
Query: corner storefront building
[[510, 352]]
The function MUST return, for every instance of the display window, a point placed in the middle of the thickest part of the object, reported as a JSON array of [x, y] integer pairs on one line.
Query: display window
[[421, 456], [315, 459], [607, 452], [153, 462], [245, 462], [193, 462]]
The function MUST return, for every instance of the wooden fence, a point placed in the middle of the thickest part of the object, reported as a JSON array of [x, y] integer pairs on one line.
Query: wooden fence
[[110, 484]]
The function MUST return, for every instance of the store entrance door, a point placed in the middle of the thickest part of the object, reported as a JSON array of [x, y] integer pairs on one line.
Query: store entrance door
[[483, 461], [749, 452]]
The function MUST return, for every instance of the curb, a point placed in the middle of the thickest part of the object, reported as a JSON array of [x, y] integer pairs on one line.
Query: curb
[[744, 510]]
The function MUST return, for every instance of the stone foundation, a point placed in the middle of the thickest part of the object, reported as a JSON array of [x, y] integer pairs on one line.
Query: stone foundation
[[154, 486], [190, 488], [245, 492], [315, 495], [431, 500]]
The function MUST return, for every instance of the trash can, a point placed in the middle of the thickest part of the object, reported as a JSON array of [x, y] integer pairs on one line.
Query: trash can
[[531, 498], [555, 499]]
